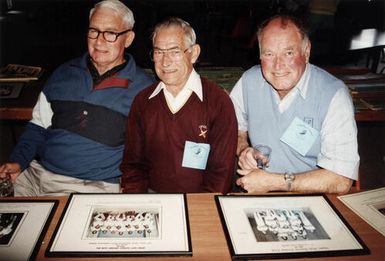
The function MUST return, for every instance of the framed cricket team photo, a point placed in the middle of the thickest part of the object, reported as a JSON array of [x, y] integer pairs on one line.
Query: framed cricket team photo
[[122, 225], [23, 224], [285, 226]]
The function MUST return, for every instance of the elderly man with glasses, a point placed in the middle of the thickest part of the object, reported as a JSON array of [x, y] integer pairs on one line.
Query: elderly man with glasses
[[181, 132], [75, 140]]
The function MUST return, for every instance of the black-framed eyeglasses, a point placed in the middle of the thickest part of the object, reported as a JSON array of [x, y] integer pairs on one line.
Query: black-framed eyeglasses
[[109, 36], [175, 53]]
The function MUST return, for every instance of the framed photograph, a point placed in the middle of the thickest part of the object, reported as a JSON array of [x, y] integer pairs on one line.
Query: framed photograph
[[369, 205], [19, 73], [122, 225], [22, 227], [10, 90], [285, 226]]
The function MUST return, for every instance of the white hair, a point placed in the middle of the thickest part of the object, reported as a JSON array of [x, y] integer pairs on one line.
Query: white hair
[[119, 8], [189, 33]]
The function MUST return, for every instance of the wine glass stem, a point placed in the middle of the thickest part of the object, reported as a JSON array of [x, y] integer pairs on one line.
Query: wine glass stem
[[260, 164]]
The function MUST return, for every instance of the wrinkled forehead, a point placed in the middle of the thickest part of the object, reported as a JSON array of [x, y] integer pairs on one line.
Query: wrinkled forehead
[[280, 35], [280, 27], [169, 37], [106, 15]]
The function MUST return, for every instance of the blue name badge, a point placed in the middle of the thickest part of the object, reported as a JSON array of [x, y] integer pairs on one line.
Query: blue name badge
[[195, 155], [300, 136]]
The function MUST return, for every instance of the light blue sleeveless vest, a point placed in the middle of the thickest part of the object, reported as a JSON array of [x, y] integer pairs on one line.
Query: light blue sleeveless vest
[[267, 124]]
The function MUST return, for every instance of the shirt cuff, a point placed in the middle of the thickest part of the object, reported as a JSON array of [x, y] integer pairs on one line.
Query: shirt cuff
[[347, 169]]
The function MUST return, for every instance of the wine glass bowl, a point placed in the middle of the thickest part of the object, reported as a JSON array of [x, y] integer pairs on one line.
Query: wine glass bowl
[[261, 154]]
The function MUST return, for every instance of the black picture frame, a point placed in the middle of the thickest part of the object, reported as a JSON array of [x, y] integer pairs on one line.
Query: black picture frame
[[121, 225], [10, 90], [286, 226], [25, 223]]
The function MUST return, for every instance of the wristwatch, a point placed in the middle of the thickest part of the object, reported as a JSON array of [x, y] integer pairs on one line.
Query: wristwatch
[[289, 179]]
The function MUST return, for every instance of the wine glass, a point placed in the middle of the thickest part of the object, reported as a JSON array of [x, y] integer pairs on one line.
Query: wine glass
[[261, 154], [6, 186]]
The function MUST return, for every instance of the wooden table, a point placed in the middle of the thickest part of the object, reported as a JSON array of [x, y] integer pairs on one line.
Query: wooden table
[[366, 89], [208, 239], [21, 108], [367, 114]]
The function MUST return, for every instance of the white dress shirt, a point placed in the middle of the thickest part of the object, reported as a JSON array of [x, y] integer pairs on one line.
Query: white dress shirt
[[339, 114], [175, 103]]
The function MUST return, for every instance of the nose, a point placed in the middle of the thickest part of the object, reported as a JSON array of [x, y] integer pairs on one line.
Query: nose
[[100, 38], [166, 60], [278, 62]]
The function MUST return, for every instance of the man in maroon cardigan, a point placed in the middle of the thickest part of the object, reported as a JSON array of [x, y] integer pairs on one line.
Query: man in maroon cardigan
[[181, 132]]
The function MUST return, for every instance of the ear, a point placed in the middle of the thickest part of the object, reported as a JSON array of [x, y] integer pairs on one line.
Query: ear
[[129, 38], [307, 51], [195, 52]]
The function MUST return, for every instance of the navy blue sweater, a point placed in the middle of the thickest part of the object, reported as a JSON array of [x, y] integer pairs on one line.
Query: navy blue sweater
[[78, 128]]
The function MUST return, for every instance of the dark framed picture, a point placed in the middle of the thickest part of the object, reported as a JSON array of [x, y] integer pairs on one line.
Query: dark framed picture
[[10, 90], [22, 227], [285, 226], [122, 225]]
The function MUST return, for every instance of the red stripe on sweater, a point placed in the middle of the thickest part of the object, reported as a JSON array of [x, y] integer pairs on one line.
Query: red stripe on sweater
[[112, 82]]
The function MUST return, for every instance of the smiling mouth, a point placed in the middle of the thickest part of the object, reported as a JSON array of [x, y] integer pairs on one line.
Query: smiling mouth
[[168, 71], [100, 51], [280, 74]]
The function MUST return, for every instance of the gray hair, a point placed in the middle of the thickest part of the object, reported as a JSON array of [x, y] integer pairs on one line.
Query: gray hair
[[189, 33], [120, 8]]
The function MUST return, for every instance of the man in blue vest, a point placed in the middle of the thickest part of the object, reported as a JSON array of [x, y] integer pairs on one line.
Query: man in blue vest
[[75, 140], [304, 114]]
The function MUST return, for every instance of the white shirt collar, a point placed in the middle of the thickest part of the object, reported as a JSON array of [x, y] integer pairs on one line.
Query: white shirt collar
[[303, 83], [193, 83], [301, 88]]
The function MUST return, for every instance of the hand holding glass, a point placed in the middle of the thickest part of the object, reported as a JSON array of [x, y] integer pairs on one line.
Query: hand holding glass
[[6, 186], [261, 154]]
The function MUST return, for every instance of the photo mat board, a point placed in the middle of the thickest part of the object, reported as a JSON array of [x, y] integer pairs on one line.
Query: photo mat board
[[23, 226], [369, 205], [122, 225], [285, 226]]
